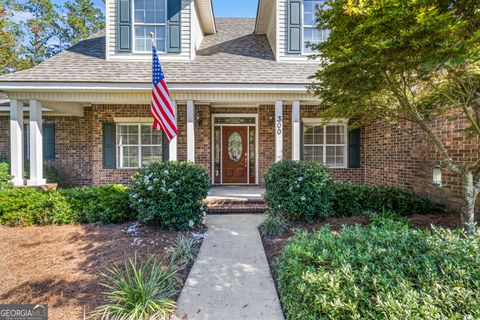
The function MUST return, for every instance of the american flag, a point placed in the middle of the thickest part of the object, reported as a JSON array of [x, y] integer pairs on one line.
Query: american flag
[[161, 106]]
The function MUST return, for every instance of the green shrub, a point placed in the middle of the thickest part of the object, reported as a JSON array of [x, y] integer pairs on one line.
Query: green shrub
[[299, 189], [171, 193], [383, 271], [274, 225], [106, 204], [5, 177], [184, 250], [28, 206], [139, 291], [52, 175], [352, 199]]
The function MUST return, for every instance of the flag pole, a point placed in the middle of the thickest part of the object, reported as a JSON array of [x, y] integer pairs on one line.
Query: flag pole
[[152, 36]]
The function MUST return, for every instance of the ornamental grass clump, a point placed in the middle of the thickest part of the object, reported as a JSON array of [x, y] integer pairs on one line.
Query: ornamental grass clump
[[301, 190], [274, 225], [383, 271], [170, 193], [184, 250], [139, 291]]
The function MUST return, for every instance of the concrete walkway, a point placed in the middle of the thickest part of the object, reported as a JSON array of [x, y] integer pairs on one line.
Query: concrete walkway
[[231, 278]]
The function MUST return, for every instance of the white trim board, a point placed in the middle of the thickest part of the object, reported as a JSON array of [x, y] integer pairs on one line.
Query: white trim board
[[212, 145]]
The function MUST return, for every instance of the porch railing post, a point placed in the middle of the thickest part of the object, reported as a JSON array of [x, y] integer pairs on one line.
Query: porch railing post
[[296, 130], [190, 131], [36, 145], [278, 130], [16, 142]]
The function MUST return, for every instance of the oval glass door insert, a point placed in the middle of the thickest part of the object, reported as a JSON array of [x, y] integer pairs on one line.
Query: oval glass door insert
[[235, 146]]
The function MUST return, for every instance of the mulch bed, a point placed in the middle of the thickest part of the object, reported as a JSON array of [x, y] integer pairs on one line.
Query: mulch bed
[[60, 265], [274, 245]]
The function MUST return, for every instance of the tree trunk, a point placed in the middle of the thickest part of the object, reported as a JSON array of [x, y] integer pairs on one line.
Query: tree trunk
[[470, 193]]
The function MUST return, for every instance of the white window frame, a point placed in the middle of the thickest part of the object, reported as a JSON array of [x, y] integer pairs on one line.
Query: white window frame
[[119, 147], [304, 52], [335, 122], [134, 43]]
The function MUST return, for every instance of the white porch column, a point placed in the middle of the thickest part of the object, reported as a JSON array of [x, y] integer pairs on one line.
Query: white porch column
[[36, 145], [173, 144], [278, 130], [16, 142], [296, 130], [190, 131]]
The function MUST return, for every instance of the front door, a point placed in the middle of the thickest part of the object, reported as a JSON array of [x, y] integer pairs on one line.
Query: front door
[[235, 154]]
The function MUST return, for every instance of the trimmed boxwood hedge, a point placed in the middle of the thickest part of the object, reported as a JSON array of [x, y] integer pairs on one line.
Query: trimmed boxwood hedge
[[28, 206], [383, 271], [106, 204], [353, 199]]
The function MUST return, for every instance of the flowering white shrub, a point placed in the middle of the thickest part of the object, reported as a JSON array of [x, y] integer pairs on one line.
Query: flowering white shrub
[[171, 193]]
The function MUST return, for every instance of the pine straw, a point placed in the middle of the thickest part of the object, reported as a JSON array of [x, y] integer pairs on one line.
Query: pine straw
[[59, 265]]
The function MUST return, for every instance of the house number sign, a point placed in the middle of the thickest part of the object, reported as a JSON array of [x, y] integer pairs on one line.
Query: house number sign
[[279, 125]]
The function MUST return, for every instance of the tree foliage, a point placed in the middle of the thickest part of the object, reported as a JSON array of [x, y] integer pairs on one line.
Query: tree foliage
[[82, 20], [10, 38], [403, 60], [46, 29]]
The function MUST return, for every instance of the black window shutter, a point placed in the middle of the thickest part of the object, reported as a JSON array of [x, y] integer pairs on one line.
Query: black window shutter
[[174, 36], [354, 148], [124, 26], [294, 26], [48, 141], [165, 148], [108, 145]]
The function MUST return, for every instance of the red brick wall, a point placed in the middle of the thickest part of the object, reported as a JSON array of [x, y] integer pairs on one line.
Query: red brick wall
[[401, 155], [396, 155], [203, 133], [182, 132], [4, 138]]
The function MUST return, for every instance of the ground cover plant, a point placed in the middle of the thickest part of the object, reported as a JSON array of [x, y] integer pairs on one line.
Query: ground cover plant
[[170, 193], [385, 270]]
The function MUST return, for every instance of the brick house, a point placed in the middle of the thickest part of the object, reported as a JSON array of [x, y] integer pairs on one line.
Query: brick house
[[240, 92]]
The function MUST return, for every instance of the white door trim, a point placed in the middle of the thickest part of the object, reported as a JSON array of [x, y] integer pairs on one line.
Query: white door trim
[[212, 138]]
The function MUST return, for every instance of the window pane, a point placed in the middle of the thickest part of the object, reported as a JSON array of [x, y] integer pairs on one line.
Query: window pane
[[130, 157], [157, 137], [150, 11], [143, 42], [151, 154], [146, 134]]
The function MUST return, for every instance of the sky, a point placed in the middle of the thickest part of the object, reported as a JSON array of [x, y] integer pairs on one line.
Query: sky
[[222, 8]]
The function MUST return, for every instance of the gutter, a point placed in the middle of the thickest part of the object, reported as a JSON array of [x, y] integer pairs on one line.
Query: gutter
[[118, 87]]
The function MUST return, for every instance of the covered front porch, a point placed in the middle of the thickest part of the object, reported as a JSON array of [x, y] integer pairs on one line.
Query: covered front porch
[[90, 155]]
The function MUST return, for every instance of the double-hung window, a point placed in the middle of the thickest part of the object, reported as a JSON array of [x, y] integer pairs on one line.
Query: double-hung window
[[138, 145], [325, 143], [311, 35], [150, 16]]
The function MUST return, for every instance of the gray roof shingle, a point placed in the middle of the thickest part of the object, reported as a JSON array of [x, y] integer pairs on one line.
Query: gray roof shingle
[[233, 55]]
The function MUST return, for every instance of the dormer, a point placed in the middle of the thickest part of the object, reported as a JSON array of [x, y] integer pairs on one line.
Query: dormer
[[178, 25], [289, 26]]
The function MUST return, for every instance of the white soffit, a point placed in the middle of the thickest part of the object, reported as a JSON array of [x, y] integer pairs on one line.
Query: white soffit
[[207, 16], [264, 11]]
